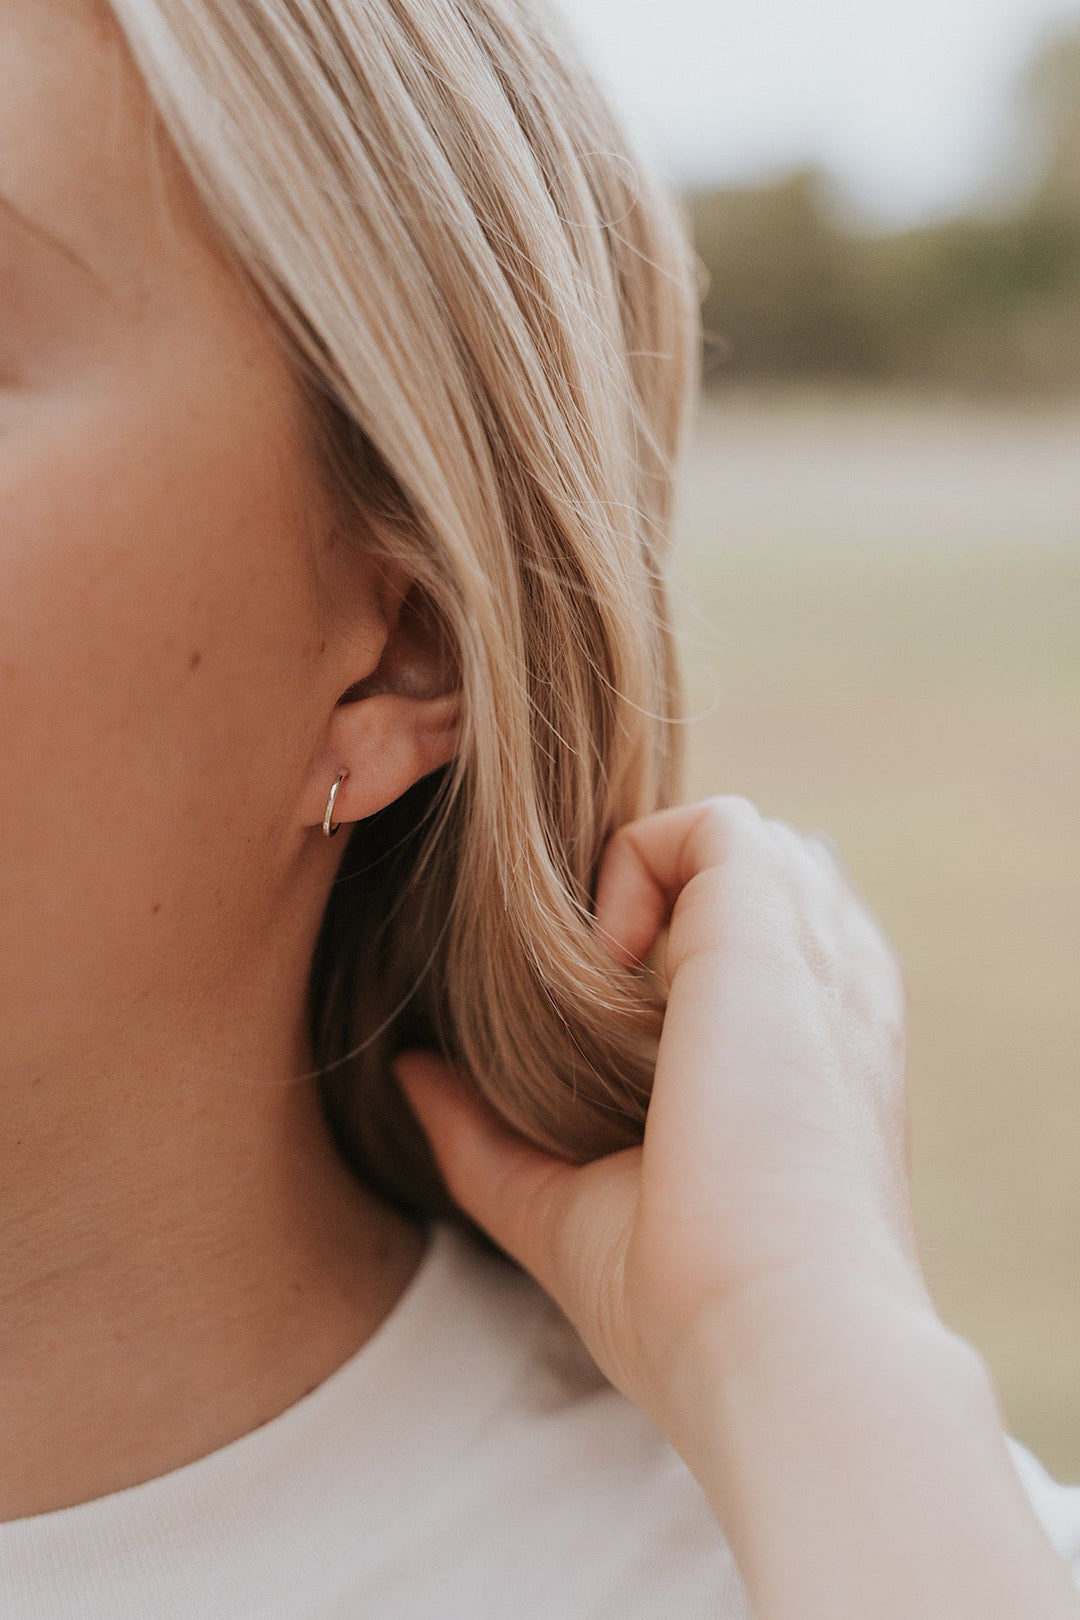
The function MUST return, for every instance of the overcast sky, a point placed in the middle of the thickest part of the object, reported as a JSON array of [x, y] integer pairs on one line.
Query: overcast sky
[[907, 102]]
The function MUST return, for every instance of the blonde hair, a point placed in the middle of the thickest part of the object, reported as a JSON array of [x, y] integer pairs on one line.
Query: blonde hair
[[493, 307]]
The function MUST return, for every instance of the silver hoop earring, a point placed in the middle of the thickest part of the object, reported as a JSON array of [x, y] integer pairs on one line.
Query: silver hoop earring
[[327, 828]]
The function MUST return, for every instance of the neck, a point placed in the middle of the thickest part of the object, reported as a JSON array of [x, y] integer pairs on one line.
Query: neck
[[183, 1255]]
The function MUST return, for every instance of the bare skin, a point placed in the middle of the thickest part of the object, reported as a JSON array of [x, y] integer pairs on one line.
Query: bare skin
[[182, 1255], [750, 1274]]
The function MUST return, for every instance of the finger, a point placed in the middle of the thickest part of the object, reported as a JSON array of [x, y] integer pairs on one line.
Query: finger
[[848, 923], [830, 857], [824, 843], [631, 908], [515, 1191], [648, 862]]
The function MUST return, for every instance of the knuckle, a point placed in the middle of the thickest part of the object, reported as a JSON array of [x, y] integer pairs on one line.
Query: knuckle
[[891, 995], [733, 818], [741, 811], [792, 844], [620, 836]]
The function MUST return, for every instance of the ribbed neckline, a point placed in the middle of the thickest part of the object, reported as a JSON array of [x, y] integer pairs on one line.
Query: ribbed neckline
[[360, 1447]]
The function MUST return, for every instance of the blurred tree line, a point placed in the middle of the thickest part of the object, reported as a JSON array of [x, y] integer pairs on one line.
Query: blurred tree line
[[979, 304]]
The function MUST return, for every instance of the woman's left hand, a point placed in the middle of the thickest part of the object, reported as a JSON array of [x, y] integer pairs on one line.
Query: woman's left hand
[[775, 1148], [749, 1276]]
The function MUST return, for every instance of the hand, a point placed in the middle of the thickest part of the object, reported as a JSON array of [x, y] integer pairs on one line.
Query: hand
[[775, 1150], [749, 1275]]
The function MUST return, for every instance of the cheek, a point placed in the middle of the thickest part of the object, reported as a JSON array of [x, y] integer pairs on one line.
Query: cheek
[[158, 621]]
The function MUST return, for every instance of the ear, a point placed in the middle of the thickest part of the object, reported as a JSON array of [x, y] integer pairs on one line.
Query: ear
[[393, 725]]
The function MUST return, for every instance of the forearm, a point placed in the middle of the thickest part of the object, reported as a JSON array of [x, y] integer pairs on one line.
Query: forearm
[[855, 1457]]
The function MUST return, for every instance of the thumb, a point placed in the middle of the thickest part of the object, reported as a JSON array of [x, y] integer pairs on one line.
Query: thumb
[[516, 1192]]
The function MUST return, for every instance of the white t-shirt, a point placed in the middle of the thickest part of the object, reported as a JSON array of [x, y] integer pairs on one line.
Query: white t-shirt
[[467, 1463]]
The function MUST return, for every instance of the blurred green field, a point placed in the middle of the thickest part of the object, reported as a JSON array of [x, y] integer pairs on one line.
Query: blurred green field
[[880, 603]]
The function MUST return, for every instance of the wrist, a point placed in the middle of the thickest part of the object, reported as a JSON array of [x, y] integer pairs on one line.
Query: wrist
[[854, 1374], [852, 1448], [791, 1329]]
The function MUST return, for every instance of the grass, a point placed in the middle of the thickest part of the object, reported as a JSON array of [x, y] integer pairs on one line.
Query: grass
[[880, 604]]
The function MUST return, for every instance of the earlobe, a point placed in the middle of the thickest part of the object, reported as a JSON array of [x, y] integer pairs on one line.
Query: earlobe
[[392, 726], [375, 749]]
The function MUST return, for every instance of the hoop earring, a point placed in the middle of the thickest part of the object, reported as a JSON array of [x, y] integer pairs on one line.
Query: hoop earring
[[326, 826]]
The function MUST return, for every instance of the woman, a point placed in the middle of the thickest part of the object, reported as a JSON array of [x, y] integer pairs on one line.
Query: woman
[[344, 363]]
